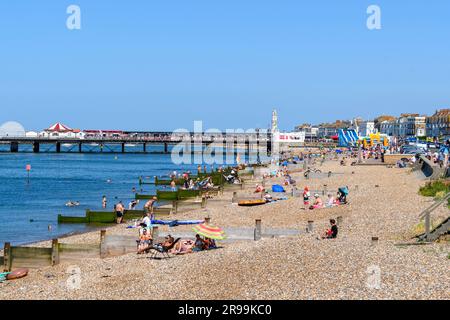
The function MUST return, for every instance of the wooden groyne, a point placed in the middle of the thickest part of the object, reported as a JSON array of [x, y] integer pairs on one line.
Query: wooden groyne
[[110, 216]]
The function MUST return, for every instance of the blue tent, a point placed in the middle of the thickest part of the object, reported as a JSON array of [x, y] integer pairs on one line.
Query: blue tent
[[347, 137]]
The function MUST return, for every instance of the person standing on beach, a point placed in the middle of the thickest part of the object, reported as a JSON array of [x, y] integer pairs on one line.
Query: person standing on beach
[[173, 185], [306, 195], [148, 207], [104, 201], [119, 212]]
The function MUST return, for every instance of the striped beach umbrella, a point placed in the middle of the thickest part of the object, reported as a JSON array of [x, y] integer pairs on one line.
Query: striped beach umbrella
[[209, 231]]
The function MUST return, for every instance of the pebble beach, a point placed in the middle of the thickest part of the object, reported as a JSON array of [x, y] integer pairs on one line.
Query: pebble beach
[[383, 202]]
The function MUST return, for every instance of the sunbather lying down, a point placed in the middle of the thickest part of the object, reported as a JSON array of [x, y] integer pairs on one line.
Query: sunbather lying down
[[188, 245], [183, 246]]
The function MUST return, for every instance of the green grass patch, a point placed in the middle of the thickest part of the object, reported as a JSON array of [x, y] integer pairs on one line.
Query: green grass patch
[[436, 188]]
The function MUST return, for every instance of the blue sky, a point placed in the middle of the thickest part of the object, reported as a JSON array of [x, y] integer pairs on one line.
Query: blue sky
[[160, 65]]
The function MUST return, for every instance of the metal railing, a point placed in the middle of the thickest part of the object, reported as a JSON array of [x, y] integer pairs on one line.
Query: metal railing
[[426, 214]]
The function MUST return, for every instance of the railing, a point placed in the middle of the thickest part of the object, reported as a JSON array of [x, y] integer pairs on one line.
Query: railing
[[426, 214]]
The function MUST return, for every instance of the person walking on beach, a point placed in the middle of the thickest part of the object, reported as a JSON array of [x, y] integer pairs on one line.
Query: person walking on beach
[[104, 201], [119, 212], [148, 207]]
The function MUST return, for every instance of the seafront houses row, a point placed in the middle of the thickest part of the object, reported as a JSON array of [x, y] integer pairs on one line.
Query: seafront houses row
[[406, 125]]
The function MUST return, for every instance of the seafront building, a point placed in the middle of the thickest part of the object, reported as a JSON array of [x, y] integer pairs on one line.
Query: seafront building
[[438, 125]]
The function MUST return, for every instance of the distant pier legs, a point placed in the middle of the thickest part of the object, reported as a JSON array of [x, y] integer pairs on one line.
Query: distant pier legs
[[36, 146], [123, 147], [14, 147], [58, 147], [144, 147], [166, 147], [80, 147]]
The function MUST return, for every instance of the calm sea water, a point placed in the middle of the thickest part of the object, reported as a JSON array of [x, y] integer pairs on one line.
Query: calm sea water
[[58, 178]]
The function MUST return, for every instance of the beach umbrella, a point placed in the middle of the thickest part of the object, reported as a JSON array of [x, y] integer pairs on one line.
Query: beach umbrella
[[209, 231]]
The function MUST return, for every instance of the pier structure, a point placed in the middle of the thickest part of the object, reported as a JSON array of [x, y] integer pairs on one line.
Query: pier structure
[[157, 142]]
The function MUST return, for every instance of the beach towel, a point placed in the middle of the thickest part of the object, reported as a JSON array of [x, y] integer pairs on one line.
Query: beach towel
[[174, 223], [3, 276], [277, 188]]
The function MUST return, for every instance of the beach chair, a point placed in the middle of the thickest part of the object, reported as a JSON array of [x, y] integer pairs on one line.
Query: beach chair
[[164, 251]]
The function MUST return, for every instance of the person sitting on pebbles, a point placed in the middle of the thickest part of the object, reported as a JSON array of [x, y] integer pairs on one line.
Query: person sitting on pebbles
[[318, 203], [268, 197], [332, 232], [259, 188]]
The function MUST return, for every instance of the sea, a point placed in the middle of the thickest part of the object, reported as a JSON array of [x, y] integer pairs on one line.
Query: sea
[[30, 201]]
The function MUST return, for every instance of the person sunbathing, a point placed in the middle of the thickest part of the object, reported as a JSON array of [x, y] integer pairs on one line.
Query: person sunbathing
[[145, 240], [182, 247]]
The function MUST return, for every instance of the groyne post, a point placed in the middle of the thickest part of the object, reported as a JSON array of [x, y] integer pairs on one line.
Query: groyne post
[[102, 243], [310, 227], [339, 220], [55, 252], [155, 233], [7, 259], [258, 232], [204, 201], [374, 241]]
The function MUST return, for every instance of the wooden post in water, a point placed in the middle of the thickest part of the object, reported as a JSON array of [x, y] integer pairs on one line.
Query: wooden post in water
[[102, 244], [55, 252], [7, 258], [258, 232]]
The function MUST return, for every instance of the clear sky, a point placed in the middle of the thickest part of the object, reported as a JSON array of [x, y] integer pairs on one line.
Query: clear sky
[[161, 64]]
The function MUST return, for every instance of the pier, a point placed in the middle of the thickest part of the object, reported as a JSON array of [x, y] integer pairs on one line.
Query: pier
[[159, 143]]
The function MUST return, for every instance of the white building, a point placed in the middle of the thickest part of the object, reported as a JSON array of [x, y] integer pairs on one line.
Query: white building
[[59, 130], [366, 128]]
